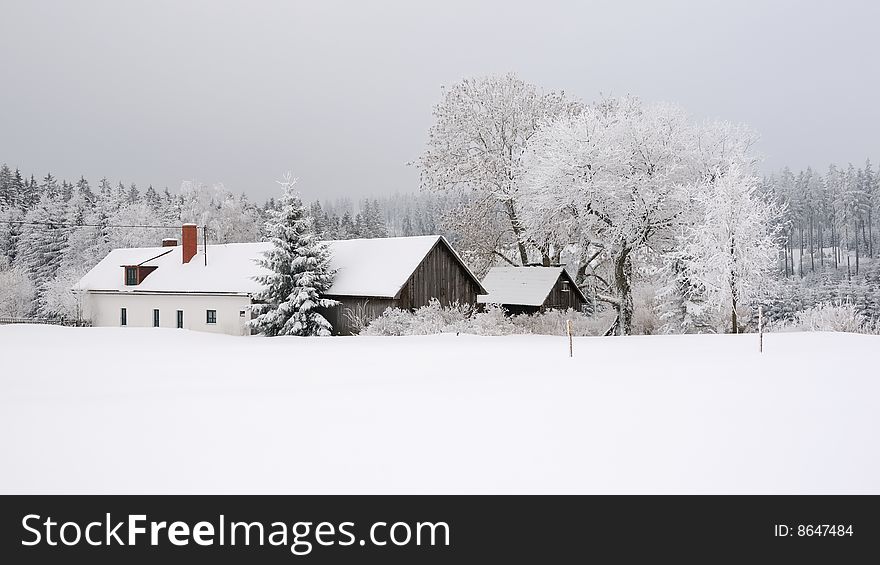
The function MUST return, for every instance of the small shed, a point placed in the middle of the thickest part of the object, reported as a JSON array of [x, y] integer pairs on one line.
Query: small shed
[[526, 290], [395, 272]]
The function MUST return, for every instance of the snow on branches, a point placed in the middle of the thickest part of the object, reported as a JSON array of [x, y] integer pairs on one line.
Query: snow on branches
[[480, 130], [730, 251], [618, 174]]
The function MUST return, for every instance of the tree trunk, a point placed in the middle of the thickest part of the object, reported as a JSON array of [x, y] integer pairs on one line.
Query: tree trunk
[[857, 246], [870, 234], [545, 257], [833, 246], [801, 251], [517, 232], [622, 283], [732, 279], [812, 248]]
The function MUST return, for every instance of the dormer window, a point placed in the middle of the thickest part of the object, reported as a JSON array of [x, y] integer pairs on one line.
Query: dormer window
[[131, 276], [135, 274]]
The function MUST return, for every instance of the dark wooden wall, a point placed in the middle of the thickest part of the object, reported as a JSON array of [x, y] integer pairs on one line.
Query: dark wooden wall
[[368, 307], [561, 300], [440, 275]]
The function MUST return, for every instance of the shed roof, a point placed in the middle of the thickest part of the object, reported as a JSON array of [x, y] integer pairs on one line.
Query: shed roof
[[364, 267], [522, 286]]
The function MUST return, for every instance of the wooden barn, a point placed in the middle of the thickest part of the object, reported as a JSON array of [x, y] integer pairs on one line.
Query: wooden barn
[[395, 272], [526, 290]]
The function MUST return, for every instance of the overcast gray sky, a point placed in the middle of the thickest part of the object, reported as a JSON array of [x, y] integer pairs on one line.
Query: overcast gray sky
[[341, 92]]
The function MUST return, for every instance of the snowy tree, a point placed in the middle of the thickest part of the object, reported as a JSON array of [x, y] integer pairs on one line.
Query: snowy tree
[[614, 173], [16, 291], [7, 192], [292, 292], [42, 243], [229, 218], [610, 182], [59, 298], [480, 130], [730, 253]]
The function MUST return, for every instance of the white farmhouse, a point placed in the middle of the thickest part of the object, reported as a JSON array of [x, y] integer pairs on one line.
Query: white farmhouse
[[177, 286]]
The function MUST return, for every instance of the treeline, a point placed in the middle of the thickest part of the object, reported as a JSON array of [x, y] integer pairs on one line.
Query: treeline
[[52, 231], [830, 218]]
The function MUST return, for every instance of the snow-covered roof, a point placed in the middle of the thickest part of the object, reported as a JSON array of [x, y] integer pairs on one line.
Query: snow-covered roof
[[376, 267], [229, 270], [364, 267], [523, 286]]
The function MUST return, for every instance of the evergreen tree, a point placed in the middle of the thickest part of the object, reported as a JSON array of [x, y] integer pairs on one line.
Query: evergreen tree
[[151, 197], [18, 190], [42, 243], [347, 229], [133, 194], [300, 273], [85, 191], [7, 196], [407, 229], [49, 187], [30, 194]]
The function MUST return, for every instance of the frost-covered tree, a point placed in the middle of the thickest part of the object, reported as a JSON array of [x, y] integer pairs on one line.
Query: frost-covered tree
[[16, 291], [41, 245], [480, 130], [614, 173], [229, 218], [610, 182], [730, 252], [299, 273]]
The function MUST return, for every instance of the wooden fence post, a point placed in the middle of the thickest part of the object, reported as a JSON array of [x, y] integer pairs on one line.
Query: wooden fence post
[[760, 329], [570, 347]]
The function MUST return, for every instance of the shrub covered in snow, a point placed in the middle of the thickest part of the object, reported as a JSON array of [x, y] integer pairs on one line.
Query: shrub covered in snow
[[492, 320], [830, 317]]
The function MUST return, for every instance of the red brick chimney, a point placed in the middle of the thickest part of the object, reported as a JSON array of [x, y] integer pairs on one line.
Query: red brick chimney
[[169, 242], [190, 238]]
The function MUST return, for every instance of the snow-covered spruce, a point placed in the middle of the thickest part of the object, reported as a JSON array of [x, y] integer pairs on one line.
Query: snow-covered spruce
[[289, 303]]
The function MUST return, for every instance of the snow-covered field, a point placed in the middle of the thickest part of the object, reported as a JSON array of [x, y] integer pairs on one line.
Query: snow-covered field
[[107, 410]]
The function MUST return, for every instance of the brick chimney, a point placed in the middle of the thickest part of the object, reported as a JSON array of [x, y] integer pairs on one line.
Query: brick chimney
[[169, 242], [190, 238]]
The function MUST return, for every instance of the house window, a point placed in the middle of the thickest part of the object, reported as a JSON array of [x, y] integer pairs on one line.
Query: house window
[[565, 286], [180, 318], [123, 317], [155, 318], [131, 276], [212, 316]]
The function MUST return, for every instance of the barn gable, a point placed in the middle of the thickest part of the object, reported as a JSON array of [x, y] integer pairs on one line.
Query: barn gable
[[531, 288], [438, 273], [383, 267]]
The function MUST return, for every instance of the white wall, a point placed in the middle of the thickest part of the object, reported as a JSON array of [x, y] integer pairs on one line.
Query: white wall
[[104, 310]]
